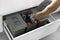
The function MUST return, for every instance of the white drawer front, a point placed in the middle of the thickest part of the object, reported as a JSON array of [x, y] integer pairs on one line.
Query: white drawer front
[[40, 32]]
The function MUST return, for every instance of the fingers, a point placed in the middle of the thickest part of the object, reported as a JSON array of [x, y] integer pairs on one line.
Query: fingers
[[36, 18]]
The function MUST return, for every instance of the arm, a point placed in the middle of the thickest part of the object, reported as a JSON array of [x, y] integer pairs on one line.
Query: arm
[[50, 8]]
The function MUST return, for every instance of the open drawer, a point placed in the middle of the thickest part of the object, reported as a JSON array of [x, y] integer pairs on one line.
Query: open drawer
[[35, 34]]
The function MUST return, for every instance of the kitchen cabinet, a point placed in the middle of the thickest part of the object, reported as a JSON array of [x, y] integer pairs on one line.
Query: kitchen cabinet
[[8, 7]]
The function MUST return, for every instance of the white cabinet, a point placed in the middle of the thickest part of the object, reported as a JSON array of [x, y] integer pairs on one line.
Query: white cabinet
[[40, 32], [10, 6]]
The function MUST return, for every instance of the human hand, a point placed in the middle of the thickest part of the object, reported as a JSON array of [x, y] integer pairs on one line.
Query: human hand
[[37, 16]]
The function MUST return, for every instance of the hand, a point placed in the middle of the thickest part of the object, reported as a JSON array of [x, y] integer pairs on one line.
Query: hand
[[37, 16]]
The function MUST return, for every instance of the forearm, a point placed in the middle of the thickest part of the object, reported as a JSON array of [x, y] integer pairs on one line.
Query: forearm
[[50, 8]]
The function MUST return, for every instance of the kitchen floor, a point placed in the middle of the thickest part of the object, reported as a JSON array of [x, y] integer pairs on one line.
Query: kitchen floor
[[53, 36]]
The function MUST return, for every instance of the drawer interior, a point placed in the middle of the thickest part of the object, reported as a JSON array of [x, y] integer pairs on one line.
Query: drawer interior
[[21, 22]]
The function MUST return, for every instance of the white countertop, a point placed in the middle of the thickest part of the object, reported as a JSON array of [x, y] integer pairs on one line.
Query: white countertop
[[9, 6]]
